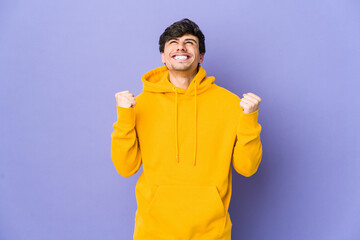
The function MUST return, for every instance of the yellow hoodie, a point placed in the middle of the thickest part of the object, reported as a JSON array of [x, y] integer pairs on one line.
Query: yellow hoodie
[[186, 140]]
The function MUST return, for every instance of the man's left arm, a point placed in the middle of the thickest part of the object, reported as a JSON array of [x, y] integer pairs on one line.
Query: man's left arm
[[247, 151]]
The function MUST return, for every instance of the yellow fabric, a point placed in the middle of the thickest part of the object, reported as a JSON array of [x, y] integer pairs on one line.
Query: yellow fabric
[[186, 141]]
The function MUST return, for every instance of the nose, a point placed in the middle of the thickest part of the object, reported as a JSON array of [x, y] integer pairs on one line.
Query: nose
[[181, 47]]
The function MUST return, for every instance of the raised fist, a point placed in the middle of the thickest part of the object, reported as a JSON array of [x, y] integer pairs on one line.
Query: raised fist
[[250, 102], [125, 99]]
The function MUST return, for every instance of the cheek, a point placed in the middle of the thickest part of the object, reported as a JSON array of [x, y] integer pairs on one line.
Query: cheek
[[169, 50]]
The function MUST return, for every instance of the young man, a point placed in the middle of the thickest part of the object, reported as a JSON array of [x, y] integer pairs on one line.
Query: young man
[[186, 131]]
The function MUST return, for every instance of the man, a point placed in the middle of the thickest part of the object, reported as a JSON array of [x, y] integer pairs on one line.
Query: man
[[186, 131]]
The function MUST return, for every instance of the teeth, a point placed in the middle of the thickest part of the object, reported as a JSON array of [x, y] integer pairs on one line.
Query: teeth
[[180, 57]]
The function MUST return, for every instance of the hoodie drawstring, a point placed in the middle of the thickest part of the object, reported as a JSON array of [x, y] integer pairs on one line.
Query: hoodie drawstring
[[176, 128], [176, 125], [195, 126]]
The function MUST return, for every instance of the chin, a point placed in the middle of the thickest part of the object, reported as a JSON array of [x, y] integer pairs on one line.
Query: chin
[[183, 68]]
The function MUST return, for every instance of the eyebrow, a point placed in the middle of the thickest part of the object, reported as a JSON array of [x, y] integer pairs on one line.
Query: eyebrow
[[190, 39]]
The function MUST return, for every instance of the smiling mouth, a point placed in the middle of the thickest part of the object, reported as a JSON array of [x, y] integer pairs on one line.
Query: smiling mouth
[[180, 58]]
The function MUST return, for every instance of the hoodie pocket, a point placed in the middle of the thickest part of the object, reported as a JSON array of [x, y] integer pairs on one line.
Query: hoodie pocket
[[186, 211]]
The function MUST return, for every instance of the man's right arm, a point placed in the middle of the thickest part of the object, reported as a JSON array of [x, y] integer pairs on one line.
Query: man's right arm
[[125, 150]]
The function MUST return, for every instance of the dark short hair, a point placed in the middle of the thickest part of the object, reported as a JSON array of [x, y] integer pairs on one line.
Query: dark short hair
[[180, 28]]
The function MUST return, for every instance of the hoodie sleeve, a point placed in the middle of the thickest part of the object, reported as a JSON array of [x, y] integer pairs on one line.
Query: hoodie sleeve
[[247, 151], [125, 149]]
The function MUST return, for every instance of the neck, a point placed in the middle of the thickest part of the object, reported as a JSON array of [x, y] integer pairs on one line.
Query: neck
[[182, 79]]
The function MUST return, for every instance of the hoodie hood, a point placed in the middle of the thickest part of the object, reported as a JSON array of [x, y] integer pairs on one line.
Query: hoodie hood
[[157, 81]]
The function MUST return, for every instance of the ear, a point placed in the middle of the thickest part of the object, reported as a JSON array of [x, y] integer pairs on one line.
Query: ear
[[162, 57], [201, 57]]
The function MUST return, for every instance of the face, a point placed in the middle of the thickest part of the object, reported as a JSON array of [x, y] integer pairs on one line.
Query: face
[[182, 54]]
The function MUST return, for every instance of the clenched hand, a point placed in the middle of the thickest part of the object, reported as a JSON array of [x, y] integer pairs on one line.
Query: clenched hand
[[250, 102], [125, 99]]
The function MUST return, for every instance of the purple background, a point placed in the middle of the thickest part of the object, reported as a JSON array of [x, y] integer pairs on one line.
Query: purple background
[[62, 62]]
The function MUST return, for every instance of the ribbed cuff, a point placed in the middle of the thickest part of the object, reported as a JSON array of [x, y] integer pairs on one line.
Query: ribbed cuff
[[249, 120], [125, 116]]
